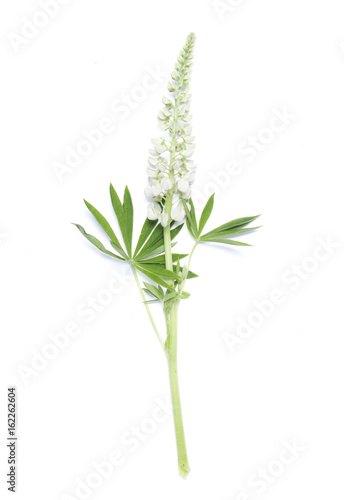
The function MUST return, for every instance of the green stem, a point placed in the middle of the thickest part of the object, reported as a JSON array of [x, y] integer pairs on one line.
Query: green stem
[[171, 315], [181, 287], [183, 464], [147, 308]]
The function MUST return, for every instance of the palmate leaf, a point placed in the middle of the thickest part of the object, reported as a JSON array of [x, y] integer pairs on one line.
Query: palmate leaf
[[98, 244], [149, 252]]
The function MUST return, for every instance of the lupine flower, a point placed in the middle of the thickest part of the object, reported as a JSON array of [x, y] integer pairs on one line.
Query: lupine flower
[[153, 211], [170, 171]]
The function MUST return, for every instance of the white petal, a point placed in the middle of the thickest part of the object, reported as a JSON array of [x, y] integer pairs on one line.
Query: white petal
[[156, 188], [177, 164], [187, 194], [166, 183], [183, 185], [178, 212], [163, 218], [190, 177], [156, 142], [152, 161], [153, 211], [188, 152], [160, 149], [191, 165], [190, 139], [149, 192]]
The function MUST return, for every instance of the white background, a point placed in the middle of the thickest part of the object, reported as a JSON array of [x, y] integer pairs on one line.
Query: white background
[[285, 380]]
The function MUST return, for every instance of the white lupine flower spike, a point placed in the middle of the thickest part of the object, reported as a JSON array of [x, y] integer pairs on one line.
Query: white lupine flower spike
[[177, 147], [171, 173]]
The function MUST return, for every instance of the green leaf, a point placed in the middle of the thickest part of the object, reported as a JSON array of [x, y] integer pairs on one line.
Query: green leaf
[[233, 224], [190, 273], [223, 240], [154, 277], [98, 244], [155, 240], [170, 296], [176, 231], [154, 291], [185, 295], [160, 270], [146, 230], [155, 243], [206, 213], [193, 214], [119, 211], [107, 228], [157, 249], [128, 210], [119, 250], [160, 259], [234, 232], [192, 227]]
